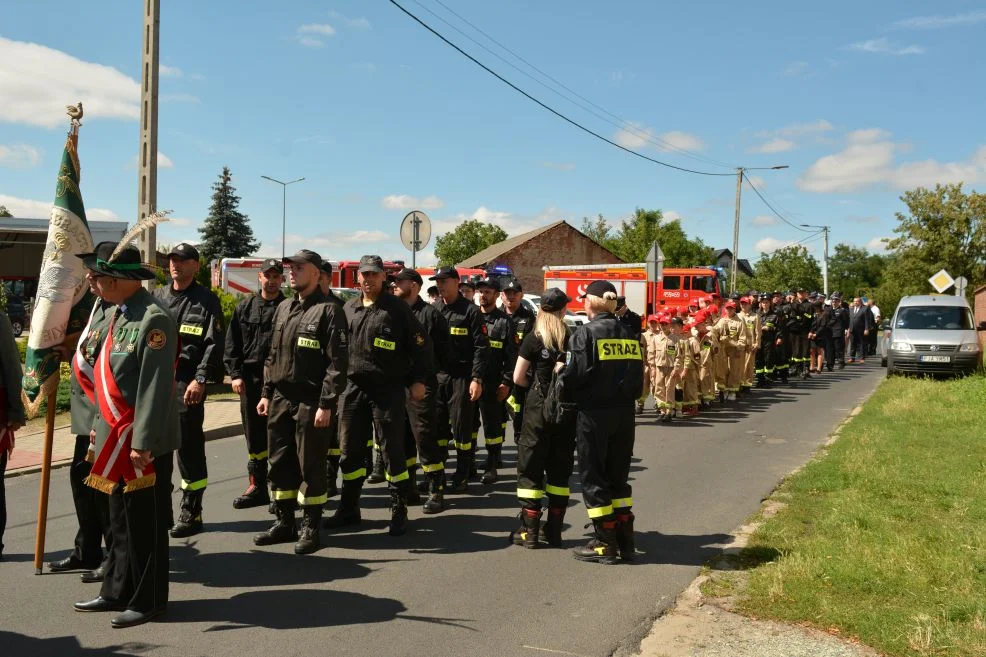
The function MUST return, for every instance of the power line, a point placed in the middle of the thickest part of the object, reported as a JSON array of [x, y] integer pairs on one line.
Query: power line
[[623, 124], [772, 209], [547, 107], [807, 240]]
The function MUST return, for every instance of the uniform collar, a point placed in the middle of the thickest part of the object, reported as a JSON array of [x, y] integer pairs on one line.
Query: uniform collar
[[315, 297]]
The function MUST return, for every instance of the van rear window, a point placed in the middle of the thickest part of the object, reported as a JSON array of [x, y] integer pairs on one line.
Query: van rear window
[[942, 318]]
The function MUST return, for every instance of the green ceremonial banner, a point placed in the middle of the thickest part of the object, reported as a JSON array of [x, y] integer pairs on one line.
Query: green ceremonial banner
[[63, 300]]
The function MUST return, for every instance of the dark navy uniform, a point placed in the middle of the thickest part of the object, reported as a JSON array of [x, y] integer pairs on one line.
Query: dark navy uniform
[[772, 329], [499, 371], [523, 321]]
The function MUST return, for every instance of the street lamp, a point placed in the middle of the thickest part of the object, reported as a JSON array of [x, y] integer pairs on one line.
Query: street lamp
[[284, 205], [825, 259], [736, 223]]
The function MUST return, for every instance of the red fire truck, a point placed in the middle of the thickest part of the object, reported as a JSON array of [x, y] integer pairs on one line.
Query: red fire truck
[[677, 288]]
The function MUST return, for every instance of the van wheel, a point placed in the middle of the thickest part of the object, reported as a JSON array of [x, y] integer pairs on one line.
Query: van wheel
[[17, 327]]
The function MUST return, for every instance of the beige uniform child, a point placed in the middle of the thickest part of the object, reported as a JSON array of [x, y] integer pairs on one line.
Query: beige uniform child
[[691, 350], [720, 362], [752, 320], [706, 363], [650, 339], [663, 368], [732, 335]]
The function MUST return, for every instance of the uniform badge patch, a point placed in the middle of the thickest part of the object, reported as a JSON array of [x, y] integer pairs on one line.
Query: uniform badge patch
[[420, 339], [156, 339], [312, 328]]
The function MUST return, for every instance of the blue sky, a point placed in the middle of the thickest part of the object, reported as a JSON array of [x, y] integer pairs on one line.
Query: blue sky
[[861, 99]]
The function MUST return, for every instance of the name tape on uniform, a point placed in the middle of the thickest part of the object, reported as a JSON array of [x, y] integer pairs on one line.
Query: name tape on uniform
[[496, 344], [384, 344], [618, 349], [308, 343], [458, 330], [190, 329]]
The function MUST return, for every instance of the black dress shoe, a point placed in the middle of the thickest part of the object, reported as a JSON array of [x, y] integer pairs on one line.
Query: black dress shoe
[[67, 564], [99, 603], [131, 617], [95, 575]]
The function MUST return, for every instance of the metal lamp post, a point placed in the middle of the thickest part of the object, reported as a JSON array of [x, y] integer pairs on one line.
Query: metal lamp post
[[825, 259], [284, 206]]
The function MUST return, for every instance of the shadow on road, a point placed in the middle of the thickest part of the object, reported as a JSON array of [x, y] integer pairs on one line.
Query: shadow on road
[[65, 646]]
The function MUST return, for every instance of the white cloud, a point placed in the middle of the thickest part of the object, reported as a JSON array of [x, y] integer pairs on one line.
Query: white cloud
[[869, 160], [26, 208], [511, 223], [322, 240], [764, 220], [678, 140], [768, 244], [180, 221], [777, 145], [877, 244], [359, 23], [883, 46], [36, 81], [405, 202], [634, 136], [311, 35], [757, 181], [163, 161], [796, 130], [939, 22], [19, 156], [637, 136], [796, 69], [170, 71], [559, 166], [671, 215]]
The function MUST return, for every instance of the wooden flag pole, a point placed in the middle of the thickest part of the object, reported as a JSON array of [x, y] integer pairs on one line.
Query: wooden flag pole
[[39, 537]]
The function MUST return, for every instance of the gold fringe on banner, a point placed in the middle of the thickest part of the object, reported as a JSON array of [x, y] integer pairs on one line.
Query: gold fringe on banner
[[141, 482], [100, 483], [91, 454], [31, 408]]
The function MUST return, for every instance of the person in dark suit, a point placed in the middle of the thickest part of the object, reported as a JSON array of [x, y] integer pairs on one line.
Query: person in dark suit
[[860, 327]]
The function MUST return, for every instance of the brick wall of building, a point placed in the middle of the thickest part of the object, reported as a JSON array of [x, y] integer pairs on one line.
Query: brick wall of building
[[562, 245]]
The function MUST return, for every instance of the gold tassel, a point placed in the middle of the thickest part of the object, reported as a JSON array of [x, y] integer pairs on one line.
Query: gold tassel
[[91, 454], [141, 482], [100, 483]]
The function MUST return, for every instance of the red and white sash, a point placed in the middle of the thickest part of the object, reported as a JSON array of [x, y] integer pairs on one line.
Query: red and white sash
[[83, 370], [113, 460]]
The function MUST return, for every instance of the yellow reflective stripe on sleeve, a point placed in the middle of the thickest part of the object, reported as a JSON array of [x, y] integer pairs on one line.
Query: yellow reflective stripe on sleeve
[[622, 502], [432, 467], [465, 447], [314, 500], [369, 443], [458, 330], [335, 451], [384, 344], [530, 493], [284, 494], [512, 403], [495, 441], [558, 490], [601, 511], [496, 344], [259, 456], [194, 485], [191, 329], [618, 349], [412, 461], [442, 443], [355, 474], [308, 343], [475, 435], [394, 479]]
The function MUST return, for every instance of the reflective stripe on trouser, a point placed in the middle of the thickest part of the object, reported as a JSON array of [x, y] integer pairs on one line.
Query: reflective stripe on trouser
[[454, 417], [297, 450], [191, 454], [545, 456], [659, 387], [254, 425], [491, 412], [689, 388], [384, 415], [604, 442], [513, 409]]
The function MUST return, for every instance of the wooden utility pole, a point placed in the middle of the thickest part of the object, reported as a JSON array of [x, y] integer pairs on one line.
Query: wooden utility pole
[[147, 155], [736, 227]]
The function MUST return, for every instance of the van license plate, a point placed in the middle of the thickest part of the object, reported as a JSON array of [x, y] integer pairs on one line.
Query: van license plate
[[936, 359]]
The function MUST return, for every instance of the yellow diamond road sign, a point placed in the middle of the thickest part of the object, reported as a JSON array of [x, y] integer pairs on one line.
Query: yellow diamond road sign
[[941, 281]]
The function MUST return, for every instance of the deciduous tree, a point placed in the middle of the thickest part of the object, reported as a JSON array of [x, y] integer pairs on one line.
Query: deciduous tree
[[469, 238]]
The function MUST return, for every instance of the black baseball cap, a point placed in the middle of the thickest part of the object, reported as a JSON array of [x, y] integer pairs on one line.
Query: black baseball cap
[[326, 267], [185, 251], [621, 301], [677, 320], [445, 272], [554, 300], [272, 263], [489, 282], [598, 289], [409, 275], [469, 282], [512, 283], [371, 263], [304, 255]]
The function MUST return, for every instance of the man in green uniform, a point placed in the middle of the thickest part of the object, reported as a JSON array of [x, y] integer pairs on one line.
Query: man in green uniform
[[135, 432]]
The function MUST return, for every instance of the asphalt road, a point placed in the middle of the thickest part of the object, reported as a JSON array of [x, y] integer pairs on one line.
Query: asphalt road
[[452, 586]]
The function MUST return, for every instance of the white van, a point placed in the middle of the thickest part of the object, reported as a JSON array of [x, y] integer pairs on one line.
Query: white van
[[933, 334]]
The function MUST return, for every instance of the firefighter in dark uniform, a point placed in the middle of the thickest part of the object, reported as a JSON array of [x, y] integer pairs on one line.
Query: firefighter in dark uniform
[[200, 328], [523, 319], [499, 375], [839, 325], [799, 324], [332, 458], [421, 432], [771, 341], [247, 343], [388, 361], [304, 376], [603, 376], [783, 355], [460, 382]]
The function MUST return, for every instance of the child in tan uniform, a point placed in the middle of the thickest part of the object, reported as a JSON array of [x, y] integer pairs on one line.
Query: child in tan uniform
[[691, 351], [706, 362]]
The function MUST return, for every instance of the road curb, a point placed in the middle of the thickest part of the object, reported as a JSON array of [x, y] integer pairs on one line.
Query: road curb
[[216, 433]]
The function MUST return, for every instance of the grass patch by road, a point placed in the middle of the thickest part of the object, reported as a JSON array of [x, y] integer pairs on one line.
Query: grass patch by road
[[884, 537]]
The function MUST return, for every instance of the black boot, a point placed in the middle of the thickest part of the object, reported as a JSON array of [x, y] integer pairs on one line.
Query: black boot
[[413, 494], [283, 530], [603, 547], [332, 473], [256, 493], [624, 534], [309, 539], [347, 513], [463, 466], [190, 518], [552, 526], [398, 513], [377, 475], [436, 493], [492, 458], [530, 526]]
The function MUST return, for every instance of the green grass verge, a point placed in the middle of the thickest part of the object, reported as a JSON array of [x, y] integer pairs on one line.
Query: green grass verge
[[884, 537]]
